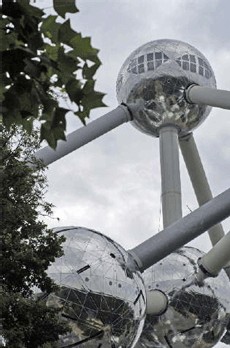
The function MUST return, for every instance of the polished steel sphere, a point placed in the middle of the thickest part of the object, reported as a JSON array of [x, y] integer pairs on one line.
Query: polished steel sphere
[[155, 77], [197, 314], [102, 299]]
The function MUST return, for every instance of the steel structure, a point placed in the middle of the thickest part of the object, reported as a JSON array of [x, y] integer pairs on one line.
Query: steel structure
[[166, 89]]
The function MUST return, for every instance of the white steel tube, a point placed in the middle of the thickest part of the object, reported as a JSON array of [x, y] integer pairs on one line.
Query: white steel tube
[[199, 180], [170, 175], [216, 259], [181, 232], [85, 134], [156, 301], [208, 96]]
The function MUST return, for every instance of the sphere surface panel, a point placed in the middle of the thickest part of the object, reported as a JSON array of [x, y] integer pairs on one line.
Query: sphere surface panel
[[197, 315], [155, 76], [103, 301]]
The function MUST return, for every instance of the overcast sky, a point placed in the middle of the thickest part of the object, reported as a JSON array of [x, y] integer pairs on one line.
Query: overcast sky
[[113, 184]]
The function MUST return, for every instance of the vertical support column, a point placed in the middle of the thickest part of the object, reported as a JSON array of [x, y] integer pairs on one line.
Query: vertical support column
[[170, 175], [199, 181]]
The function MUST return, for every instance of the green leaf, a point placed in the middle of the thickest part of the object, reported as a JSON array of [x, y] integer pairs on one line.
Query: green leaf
[[11, 101], [28, 125], [54, 126], [10, 57], [66, 33], [59, 134], [67, 65], [83, 48], [52, 51], [4, 23], [50, 28], [89, 87], [7, 41], [53, 131], [2, 88], [82, 115], [45, 134], [32, 68], [73, 88], [61, 7], [49, 105], [30, 10], [11, 118], [59, 120], [89, 72], [93, 100], [29, 20]]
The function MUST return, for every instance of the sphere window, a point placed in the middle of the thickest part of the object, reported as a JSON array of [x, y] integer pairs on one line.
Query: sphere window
[[193, 67], [141, 59], [185, 66], [141, 68], [149, 56], [150, 65]]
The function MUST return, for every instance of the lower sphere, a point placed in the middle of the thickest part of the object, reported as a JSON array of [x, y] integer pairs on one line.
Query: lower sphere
[[197, 314], [103, 301]]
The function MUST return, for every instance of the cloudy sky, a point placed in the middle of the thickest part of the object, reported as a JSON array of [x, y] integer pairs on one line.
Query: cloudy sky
[[113, 184]]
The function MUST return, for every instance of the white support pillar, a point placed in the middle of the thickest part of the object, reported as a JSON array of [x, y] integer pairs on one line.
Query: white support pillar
[[208, 96], [170, 175], [199, 180]]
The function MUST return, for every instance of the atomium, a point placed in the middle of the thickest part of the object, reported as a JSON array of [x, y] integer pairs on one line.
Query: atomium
[[103, 301], [155, 77], [197, 314]]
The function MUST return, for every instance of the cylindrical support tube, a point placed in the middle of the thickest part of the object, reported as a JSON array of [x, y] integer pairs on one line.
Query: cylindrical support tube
[[157, 302], [208, 96], [199, 180], [212, 262], [181, 232], [85, 134], [170, 175]]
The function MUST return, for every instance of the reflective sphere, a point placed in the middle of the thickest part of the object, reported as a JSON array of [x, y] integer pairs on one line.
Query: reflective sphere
[[197, 315], [155, 77], [103, 300]]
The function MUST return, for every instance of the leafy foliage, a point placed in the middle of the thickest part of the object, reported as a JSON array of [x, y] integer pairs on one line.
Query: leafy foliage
[[28, 247], [43, 59]]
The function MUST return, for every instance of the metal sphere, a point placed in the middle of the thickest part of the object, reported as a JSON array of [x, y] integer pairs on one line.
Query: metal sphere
[[103, 300], [155, 77], [197, 315]]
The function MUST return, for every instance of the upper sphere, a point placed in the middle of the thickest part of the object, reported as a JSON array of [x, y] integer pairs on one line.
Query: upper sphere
[[155, 77]]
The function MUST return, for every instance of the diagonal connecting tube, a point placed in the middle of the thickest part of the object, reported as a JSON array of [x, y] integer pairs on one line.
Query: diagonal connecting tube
[[181, 232], [199, 180], [216, 259], [208, 96], [85, 134]]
